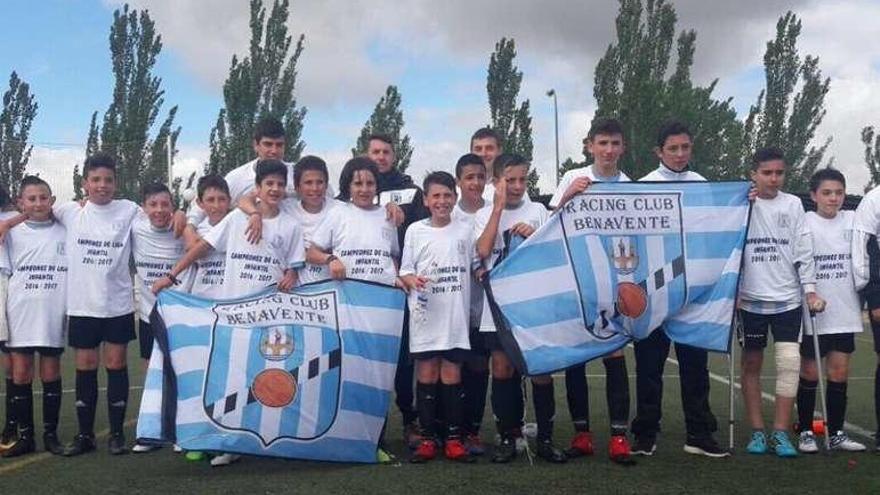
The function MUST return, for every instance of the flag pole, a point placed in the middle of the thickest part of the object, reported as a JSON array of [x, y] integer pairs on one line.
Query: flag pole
[[731, 381]]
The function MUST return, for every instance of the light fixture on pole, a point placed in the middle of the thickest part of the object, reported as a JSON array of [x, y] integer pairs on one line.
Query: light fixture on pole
[[552, 94]]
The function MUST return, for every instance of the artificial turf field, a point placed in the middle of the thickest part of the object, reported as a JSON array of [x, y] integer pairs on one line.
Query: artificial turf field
[[670, 470]]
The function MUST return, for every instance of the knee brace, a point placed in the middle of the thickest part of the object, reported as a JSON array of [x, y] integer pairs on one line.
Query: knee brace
[[788, 363]]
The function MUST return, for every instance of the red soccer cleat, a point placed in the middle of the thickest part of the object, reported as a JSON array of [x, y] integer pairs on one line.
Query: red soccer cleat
[[581, 445], [619, 450], [426, 451], [456, 451]]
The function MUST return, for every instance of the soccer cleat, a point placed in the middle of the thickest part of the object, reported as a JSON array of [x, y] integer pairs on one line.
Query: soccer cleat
[[842, 441], [116, 444], [474, 444], [24, 445], [195, 456], [645, 445], [782, 445], [505, 451], [619, 450], [82, 444], [176, 449], [522, 444], [581, 445], [455, 450], [412, 436], [143, 448], [706, 446], [548, 452], [8, 437], [807, 442], [384, 457], [426, 451], [224, 460], [51, 443], [758, 444]]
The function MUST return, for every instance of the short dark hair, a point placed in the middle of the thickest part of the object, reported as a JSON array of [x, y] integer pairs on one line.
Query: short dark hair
[[672, 128], [507, 160], [309, 162], [351, 167], [212, 181], [385, 138], [486, 133], [605, 126], [824, 174], [154, 188], [269, 167], [268, 127], [465, 160], [440, 178], [30, 180], [4, 197], [99, 160], [766, 154]]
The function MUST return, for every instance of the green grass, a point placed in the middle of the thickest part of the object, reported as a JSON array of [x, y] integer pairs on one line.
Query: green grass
[[669, 471]]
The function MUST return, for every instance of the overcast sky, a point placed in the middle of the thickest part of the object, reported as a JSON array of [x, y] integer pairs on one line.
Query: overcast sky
[[437, 53]]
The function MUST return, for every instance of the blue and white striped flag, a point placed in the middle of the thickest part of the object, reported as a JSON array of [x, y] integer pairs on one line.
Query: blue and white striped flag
[[618, 262], [305, 375]]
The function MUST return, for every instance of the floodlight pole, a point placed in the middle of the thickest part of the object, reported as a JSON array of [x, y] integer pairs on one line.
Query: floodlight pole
[[552, 94]]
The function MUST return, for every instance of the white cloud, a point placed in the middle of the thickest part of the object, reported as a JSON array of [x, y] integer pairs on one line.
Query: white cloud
[[55, 166]]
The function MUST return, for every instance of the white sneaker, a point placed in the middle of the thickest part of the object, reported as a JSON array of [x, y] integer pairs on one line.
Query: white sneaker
[[143, 448], [842, 441], [177, 449], [807, 442], [224, 460]]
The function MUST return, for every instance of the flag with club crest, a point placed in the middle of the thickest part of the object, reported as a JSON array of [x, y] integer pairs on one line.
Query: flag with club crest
[[305, 375], [618, 262]]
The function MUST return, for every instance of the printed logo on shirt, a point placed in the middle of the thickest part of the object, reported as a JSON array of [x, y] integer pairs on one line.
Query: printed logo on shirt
[[118, 225], [461, 246], [59, 248], [847, 235], [387, 234], [783, 221]]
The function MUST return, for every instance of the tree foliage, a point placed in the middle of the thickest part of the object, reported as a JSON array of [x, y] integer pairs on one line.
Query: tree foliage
[[16, 117], [387, 118], [259, 85], [872, 156]]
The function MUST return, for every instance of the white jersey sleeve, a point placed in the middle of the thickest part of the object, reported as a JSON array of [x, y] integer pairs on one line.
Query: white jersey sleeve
[[866, 224]]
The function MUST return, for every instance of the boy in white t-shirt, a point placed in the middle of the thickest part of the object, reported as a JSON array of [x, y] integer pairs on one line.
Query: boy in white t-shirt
[[213, 200], [498, 226], [778, 268], [35, 257], [10, 432], [841, 320], [438, 255]]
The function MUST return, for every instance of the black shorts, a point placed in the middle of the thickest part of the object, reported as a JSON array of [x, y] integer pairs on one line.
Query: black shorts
[[838, 342], [87, 332], [145, 339], [3, 348], [43, 351], [786, 327], [871, 292], [491, 342], [478, 343], [453, 355]]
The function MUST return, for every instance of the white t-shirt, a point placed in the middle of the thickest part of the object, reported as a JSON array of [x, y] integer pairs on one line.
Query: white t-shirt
[[364, 240], [252, 267], [98, 253], [36, 305], [477, 293], [834, 281], [155, 251], [577, 173], [309, 222], [4, 279], [439, 314], [665, 174], [210, 269], [778, 239], [531, 213], [865, 224]]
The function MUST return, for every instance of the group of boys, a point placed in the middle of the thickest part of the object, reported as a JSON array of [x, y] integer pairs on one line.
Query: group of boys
[[453, 230]]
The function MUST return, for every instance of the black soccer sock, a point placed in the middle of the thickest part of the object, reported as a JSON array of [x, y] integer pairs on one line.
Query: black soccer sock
[[519, 401], [426, 404], [806, 403], [836, 403], [545, 409], [117, 398], [453, 402], [578, 395], [475, 384], [504, 399], [617, 394], [24, 409], [9, 425], [86, 400], [877, 398], [51, 405]]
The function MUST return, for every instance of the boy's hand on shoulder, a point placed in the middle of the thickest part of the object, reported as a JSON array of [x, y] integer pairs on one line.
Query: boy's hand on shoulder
[[337, 269], [178, 223], [288, 280], [522, 229], [394, 214], [815, 303], [254, 230]]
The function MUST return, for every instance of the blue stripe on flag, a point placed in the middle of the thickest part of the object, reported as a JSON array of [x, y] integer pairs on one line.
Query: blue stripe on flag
[[327, 400], [540, 256], [215, 386], [364, 399], [724, 289], [153, 379], [547, 359], [250, 418], [712, 245], [711, 336], [180, 336], [586, 279], [189, 384], [370, 296], [368, 345], [543, 310]]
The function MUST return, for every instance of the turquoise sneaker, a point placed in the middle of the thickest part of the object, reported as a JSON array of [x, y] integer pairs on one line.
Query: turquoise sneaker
[[758, 443], [782, 445]]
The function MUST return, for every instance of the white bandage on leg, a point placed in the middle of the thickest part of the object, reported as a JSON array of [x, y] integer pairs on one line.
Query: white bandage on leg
[[4, 326], [788, 364]]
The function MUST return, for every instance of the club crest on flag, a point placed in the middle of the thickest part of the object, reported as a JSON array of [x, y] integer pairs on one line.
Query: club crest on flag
[[624, 255], [274, 372]]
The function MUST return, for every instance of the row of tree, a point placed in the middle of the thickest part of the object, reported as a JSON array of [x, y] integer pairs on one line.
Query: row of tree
[[643, 79]]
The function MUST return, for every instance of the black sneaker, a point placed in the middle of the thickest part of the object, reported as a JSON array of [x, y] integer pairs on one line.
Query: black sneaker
[[24, 445], [505, 451], [51, 443], [549, 453], [82, 444], [644, 445], [8, 437], [116, 444], [706, 446]]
